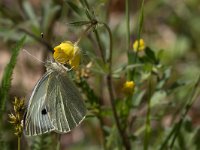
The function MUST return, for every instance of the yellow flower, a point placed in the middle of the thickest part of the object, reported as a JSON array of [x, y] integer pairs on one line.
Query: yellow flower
[[67, 52], [74, 62], [139, 46], [128, 87]]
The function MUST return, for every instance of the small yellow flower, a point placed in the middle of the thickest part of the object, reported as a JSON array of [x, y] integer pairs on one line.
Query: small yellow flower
[[67, 52], [139, 46], [128, 87]]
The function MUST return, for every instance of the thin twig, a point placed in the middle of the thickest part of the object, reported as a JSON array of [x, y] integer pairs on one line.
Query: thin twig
[[123, 135], [84, 33], [100, 45], [40, 40]]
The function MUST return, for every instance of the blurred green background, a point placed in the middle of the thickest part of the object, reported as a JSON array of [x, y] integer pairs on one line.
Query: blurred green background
[[170, 27]]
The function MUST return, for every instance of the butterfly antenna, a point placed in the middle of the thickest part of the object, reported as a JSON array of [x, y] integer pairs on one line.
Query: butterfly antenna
[[33, 56]]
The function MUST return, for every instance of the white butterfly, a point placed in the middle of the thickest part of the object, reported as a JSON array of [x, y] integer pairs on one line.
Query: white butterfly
[[55, 103]]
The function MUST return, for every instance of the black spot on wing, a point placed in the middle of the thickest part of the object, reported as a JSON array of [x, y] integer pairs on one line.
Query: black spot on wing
[[44, 111]]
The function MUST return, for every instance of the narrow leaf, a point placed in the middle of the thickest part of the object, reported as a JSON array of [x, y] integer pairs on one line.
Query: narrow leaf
[[29, 11], [74, 7], [7, 76], [79, 23]]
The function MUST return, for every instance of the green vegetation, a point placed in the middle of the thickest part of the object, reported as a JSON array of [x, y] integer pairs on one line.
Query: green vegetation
[[139, 73]]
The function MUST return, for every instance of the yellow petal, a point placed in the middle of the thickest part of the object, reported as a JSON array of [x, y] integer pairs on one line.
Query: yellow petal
[[128, 87], [67, 52], [74, 62], [64, 52], [68, 48], [139, 46], [60, 56]]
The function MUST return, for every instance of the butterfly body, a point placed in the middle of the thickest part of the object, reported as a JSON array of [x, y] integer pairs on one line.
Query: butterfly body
[[55, 104]]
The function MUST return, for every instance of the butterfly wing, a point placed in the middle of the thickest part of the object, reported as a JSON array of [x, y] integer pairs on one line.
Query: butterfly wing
[[64, 99], [37, 120]]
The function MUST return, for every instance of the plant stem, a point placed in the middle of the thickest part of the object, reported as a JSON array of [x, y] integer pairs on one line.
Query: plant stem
[[128, 36], [141, 17], [40, 40], [58, 142], [140, 27], [85, 31], [123, 135], [148, 119], [127, 24], [18, 143], [100, 45]]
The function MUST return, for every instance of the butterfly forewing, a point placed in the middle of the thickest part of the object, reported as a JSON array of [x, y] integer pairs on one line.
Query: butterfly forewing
[[37, 120], [55, 104], [67, 107]]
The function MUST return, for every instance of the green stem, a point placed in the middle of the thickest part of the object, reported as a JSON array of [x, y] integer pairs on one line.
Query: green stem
[[127, 24], [58, 142], [100, 45], [123, 135], [148, 120], [85, 32], [128, 36], [18, 143], [139, 33]]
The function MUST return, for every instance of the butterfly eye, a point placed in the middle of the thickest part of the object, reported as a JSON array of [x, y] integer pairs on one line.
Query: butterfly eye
[[44, 111]]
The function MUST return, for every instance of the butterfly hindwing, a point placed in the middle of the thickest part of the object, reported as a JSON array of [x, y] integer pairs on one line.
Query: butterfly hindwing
[[37, 120], [67, 108]]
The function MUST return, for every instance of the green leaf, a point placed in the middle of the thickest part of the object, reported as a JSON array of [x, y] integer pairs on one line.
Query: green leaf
[[75, 8], [158, 98], [141, 19], [79, 23], [30, 13], [166, 76], [113, 140], [88, 14], [137, 98], [48, 15], [7, 76], [125, 67], [151, 55]]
